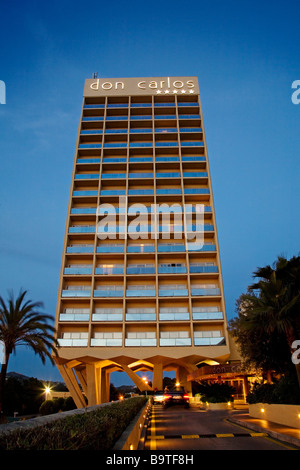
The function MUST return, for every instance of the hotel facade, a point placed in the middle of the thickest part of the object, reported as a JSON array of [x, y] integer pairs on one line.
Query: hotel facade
[[141, 283]]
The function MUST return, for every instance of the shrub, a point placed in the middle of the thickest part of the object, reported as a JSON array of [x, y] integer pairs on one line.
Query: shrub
[[216, 392], [47, 407], [285, 391], [94, 430]]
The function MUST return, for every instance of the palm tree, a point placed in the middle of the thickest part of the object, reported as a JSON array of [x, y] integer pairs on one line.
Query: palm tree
[[21, 323], [273, 302]]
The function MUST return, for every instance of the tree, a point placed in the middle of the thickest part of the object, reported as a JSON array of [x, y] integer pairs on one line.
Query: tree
[[263, 351], [21, 323], [271, 306]]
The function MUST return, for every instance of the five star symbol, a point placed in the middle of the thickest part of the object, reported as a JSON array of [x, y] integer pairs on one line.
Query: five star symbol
[[174, 91]]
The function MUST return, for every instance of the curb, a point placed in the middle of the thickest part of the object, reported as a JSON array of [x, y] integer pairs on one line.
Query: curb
[[274, 434]]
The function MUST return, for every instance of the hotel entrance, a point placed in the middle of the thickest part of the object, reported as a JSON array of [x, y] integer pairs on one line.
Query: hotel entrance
[[232, 374]]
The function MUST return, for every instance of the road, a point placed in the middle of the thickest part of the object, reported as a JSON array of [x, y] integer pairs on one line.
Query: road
[[177, 428]]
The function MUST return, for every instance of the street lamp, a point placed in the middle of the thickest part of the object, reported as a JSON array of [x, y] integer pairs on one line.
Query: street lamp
[[47, 392]]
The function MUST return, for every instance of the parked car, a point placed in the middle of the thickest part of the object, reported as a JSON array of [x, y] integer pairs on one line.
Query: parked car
[[176, 397]]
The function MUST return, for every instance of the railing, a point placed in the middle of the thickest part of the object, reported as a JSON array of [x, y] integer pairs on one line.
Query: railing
[[207, 315], [80, 249], [208, 341]]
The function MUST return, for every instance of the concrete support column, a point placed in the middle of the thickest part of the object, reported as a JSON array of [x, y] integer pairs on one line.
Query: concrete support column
[[92, 384], [104, 386], [141, 385], [72, 385], [181, 377], [157, 381]]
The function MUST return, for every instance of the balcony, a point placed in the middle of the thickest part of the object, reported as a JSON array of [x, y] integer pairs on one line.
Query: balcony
[[141, 290], [140, 314], [188, 191], [194, 247], [140, 339], [173, 314], [109, 291], [200, 268], [78, 291], [168, 191], [92, 118], [82, 229], [114, 160], [172, 269], [167, 159], [205, 291], [72, 269], [208, 313], [107, 339], [140, 159], [175, 338], [110, 249], [172, 291], [85, 193], [113, 192], [109, 269], [140, 249], [140, 192], [171, 248], [72, 339], [89, 146], [75, 315], [88, 160], [208, 338], [140, 269], [194, 174], [80, 249], [84, 210], [108, 315]]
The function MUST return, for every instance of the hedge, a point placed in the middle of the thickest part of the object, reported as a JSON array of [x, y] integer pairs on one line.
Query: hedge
[[94, 430]]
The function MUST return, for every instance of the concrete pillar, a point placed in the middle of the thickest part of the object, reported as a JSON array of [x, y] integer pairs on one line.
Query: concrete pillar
[[91, 375], [157, 381], [72, 385], [104, 386], [181, 377], [141, 385]]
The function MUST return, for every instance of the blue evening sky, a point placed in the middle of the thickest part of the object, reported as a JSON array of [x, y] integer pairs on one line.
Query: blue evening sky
[[246, 56]]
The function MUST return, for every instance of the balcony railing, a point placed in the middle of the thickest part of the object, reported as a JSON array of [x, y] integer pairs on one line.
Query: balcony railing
[[208, 341], [107, 317], [108, 292], [80, 249], [202, 315], [205, 291]]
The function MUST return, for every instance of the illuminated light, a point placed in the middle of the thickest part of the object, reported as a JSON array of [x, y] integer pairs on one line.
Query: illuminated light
[[229, 403], [158, 91], [175, 91], [167, 91], [299, 415], [47, 390], [262, 410], [177, 384], [182, 91], [191, 91], [131, 447]]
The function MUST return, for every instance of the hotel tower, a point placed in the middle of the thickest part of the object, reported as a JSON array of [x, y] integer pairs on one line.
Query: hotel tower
[[141, 284]]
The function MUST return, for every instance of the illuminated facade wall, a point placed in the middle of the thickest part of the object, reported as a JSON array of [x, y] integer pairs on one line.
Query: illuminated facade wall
[[141, 284]]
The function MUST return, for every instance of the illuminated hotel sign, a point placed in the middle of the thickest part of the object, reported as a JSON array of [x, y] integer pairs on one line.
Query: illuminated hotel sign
[[143, 86]]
